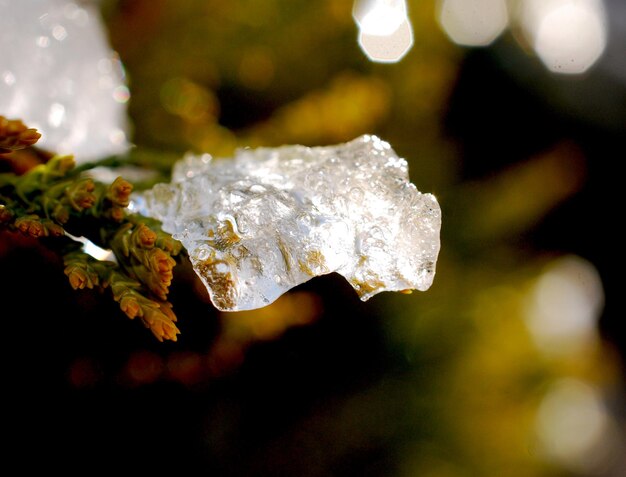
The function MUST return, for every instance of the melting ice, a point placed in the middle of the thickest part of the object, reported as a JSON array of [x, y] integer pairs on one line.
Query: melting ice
[[59, 75], [269, 219]]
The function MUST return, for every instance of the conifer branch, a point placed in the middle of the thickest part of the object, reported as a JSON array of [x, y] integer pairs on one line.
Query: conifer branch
[[56, 202]]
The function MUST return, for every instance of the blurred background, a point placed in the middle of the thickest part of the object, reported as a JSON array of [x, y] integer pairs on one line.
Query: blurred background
[[513, 113]]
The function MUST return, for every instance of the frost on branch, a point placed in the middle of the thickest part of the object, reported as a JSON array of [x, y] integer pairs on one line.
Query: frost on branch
[[269, 219]]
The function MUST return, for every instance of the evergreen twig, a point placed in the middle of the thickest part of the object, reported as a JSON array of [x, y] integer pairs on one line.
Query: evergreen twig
[[56, 202]]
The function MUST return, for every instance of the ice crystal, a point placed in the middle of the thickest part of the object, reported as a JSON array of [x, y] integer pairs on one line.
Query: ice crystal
[[269, 219], [59, 75]]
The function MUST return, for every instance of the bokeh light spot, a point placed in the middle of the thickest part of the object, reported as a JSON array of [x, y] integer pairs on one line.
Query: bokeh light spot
[[144, 367], [473, 22], [379, 17], [121, 94], [390, 48], [565, 306], [569, 36], [186, 367], [573, 425]]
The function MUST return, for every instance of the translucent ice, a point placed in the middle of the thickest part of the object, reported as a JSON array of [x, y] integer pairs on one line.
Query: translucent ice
[[58, 75], [269, 219]]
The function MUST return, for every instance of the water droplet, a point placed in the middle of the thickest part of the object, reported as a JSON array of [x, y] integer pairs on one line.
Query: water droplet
[[203, 253], [231, 220], [236, 197], [257, 189], [356, 194], [221, 267]]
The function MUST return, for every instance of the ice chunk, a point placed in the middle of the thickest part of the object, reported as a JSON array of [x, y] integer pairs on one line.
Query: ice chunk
[[269, 219], [59, 75]]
